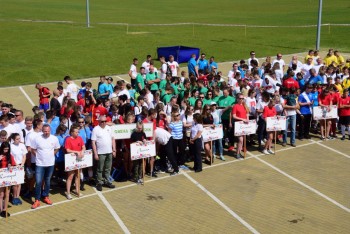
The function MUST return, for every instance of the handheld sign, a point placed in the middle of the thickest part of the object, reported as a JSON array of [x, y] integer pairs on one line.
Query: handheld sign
[[277, 123], [72, 162], [242, 129], [123, 131], [141, 150], [12, 176], [212, 134], [322, 113]]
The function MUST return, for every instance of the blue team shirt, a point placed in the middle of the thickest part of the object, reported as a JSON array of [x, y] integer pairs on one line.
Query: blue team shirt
[[305, 110], [191, 65], [314, 97], [213, 64], [203, 64], [315, 80]]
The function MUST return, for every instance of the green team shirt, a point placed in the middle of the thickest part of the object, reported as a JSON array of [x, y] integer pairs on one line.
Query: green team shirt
[[152, 76], [182, 94], [167, 98], [207, 101], [139, 80], [162, 84], [203, 90], [192, 100], [225, 102]]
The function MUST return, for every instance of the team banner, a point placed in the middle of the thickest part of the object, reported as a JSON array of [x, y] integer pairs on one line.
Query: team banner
[[242, 128], [72, 162], [11, 176], [277, 123], [142, 150], [322, 112], [123, 131], [212, 134]]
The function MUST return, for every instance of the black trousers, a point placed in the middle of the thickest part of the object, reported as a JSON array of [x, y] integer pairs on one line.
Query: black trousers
[[228, 132], [304, 126], [197, 149], [179, 151], [170, 153]]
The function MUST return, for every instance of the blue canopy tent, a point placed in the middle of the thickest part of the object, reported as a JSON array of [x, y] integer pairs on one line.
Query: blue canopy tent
[[181, 53]]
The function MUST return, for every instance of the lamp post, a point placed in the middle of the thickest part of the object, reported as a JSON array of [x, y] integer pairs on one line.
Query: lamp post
[[87, 14], [318, 38]]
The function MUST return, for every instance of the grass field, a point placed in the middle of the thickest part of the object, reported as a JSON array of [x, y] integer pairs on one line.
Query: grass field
[[42, 51]]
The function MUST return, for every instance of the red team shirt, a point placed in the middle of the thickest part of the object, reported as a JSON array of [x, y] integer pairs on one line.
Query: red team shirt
[[344, 111], [269, 112], [325, 100], [240, 111], [75, 144]]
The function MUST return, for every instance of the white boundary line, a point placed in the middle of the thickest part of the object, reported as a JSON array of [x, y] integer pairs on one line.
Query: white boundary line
[[112, 211], [26, 95], [302, 184], [334, 150], [217, 200]]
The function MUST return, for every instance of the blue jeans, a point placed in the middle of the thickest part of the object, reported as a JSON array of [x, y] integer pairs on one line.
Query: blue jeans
[[218, 143], [42, 173], [292, 120]]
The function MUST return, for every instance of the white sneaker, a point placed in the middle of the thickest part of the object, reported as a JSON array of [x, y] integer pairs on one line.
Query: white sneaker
[[69, 196], [265, 151], [270, 151]]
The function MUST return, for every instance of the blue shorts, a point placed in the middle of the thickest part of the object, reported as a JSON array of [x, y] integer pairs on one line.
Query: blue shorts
[[44, 106]]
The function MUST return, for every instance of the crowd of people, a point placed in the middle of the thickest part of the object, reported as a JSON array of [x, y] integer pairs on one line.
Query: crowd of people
[[71, 118]]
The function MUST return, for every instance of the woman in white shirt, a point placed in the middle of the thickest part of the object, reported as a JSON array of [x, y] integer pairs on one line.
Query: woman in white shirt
[[196, 141], [19, 151]]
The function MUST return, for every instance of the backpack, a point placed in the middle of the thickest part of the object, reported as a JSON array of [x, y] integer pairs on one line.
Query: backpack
[[168, 70]]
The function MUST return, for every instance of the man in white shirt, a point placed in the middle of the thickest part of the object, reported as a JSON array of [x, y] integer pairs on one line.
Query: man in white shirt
[[72, 88], [233, 71], [123, 89], [296, 62], [280, 61], [19, 119], [163, 68], [146, 64], [319, 63], [174, 66], [133, 72], [103, 146], [252, 57], [44, 147], [7, 126], [306, 68]]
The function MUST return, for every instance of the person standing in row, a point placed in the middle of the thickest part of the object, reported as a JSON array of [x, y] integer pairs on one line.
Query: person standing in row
[[44, 147], [196, 141], [103, 146]]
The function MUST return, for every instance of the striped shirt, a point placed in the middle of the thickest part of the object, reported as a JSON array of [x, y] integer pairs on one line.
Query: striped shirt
[[176, 129]]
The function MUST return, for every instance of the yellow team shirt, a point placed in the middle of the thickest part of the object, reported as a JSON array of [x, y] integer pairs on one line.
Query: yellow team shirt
[[340, 88], [307, 57], [346, 83], [328, 60], [340, 60]]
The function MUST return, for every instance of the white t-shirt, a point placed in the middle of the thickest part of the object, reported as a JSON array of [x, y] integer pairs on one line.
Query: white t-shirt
[[250, 59], [305, 69], [73, 90], [29, 142], [281, 62], [195, 129], [60, 98], [163, 70], [232, 73], [21, 125], [124, 91], [251, 104], [146, 65], [162, 136], [317, 67], [232, 82], [133, 70], [103, 138], [173, 67], [18, 151], [45, 147]]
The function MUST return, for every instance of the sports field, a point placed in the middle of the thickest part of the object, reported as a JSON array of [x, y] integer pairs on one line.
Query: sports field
[[46, 40]]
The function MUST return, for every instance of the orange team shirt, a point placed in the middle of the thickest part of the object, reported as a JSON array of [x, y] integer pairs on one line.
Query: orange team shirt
[[344, 111], [269, 112], [97, 112], [75, 144], [240, 111], [325, 100]]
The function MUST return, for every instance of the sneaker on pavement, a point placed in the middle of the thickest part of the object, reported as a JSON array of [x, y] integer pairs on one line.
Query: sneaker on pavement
[[222, 158], [109, 185], [183, 167], [174, 173], [265, 151], [68, 196], [294, 145], [99, 187], [284, 144], [47, 200], [343, 138], [231, 148], [270, 151], [36, 204]]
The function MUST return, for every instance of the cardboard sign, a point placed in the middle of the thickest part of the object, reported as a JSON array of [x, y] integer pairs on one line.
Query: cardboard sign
[[242, 128], [141, 150], [212, 134], [277, 123], [322, 113], [123, 131], [12, 176], [72, 162]]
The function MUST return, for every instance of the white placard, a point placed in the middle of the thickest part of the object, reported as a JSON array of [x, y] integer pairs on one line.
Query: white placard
[[322, 113], [277, 123], [242, 128], [123, 131], [72, 162], [212, 134], [142, 150], [11, 176]]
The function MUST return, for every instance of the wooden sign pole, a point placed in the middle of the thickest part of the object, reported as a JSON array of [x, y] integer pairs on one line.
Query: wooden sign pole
[[274, 151], [7, 193], [212, 156], [244, 145], [78, 183], [143, 171]]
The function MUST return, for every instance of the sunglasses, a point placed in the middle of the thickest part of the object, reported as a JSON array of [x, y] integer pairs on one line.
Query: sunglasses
[[176, 115], [207, 109], [81, 122], [201, 97], [103, 121], [240, 98]]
